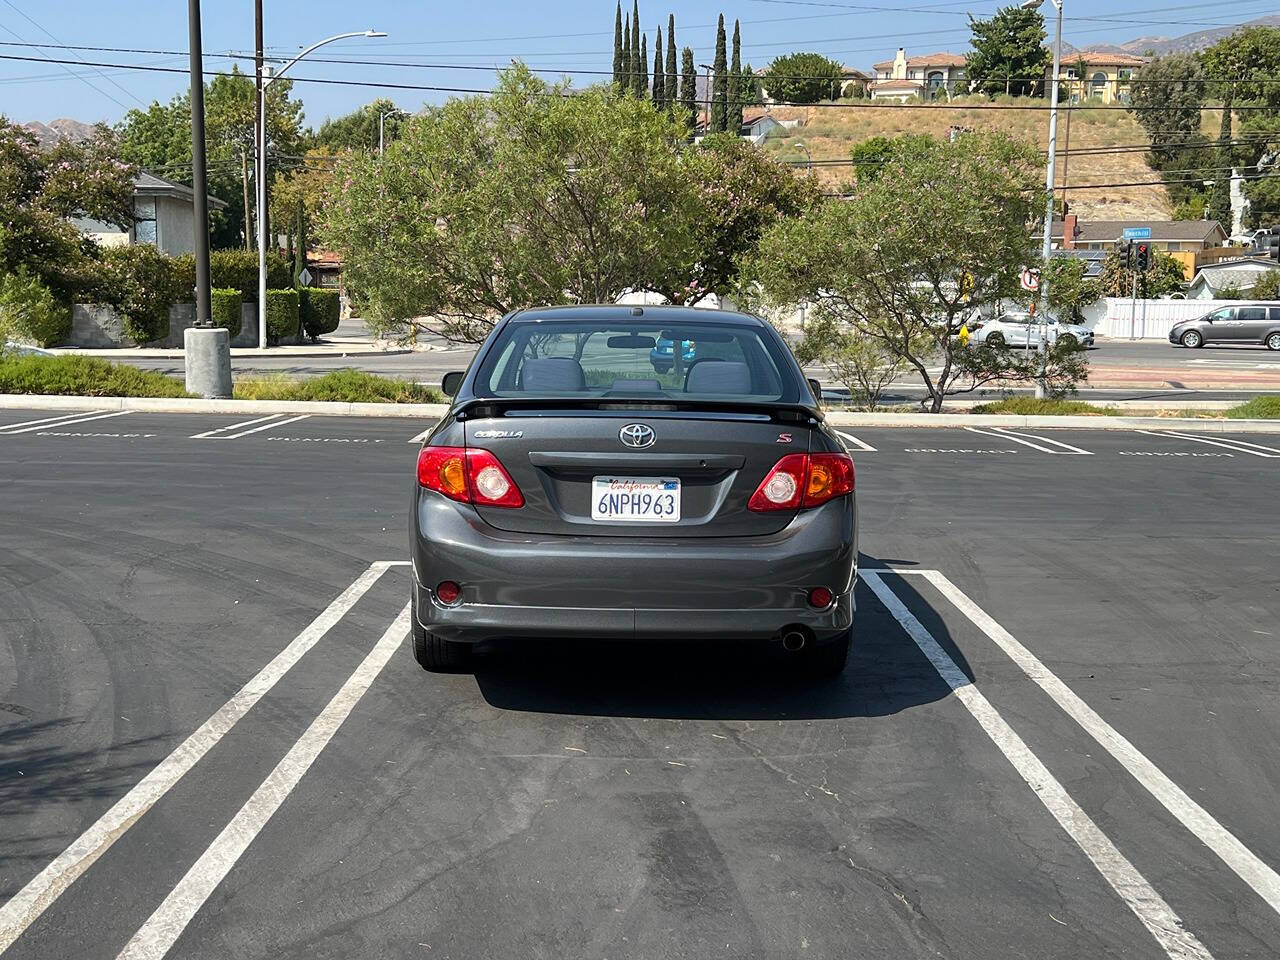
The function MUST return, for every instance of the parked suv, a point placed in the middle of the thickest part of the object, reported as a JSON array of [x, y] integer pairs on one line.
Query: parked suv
[[1246, 323]]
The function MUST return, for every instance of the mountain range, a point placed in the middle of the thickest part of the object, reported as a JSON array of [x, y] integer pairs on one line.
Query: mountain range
[[1188, 43], [64, 128]]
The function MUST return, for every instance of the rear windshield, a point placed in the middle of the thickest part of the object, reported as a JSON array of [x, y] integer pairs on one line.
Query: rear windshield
[[608, 358]]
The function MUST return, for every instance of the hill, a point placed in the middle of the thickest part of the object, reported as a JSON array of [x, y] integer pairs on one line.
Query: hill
[[64, 128], [831, 133], [1188, 43]]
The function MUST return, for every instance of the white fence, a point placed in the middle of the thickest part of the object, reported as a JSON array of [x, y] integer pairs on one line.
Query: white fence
[[1151, 320]]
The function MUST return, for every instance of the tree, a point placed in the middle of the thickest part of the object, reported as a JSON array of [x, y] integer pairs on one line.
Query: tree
[[1008, 52], [803, 78], [523, 198], [688, 87], [628, 64], [1218, 205], [862, 364], [642, 78], [735, 83], [1267, 287], [305, 182], [1164, 277], [659, 79], [358, 130], [870, 155], [1070, 291], [41, 190], [637, 60], [1167, 100], [669, 92], [748, 87], [742, 193], [719, 121], [617, 44], [158, 139], [878, 263]]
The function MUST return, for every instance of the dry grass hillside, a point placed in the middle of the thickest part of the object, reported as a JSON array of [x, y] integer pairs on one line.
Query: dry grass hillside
[[830, 134]]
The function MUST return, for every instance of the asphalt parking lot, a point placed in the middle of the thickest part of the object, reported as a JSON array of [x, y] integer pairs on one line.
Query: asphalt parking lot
[[1057, 736]]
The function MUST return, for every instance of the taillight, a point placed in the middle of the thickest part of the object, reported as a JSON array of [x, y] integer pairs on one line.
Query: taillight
[[468, 476], [802, 480]]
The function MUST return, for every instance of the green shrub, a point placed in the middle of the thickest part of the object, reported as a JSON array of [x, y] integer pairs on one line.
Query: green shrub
[[1259, 408], [227, 310], [238, 270], [1050, 407], [321, 310], [28, 309], [142, 284], [82, 376], [348, 386], [282, 315]]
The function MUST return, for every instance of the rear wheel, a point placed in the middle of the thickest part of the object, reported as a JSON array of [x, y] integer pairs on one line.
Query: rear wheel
[[824, 661], [995, 340], [437, 655], [1273, 341], [1069, 341], [1192, 339]]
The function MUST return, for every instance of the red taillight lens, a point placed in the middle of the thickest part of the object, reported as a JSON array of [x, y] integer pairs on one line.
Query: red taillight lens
[[783, 487], [448, 592], [820, 597], [468, 476], [804, 480]]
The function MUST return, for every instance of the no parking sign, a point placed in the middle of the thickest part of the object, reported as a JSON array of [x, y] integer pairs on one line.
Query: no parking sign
[[1030, 278]]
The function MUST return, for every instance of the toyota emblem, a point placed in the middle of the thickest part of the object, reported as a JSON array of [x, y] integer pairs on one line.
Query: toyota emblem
[[637, 435]]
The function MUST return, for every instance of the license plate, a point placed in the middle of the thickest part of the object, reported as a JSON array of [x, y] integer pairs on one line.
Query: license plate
[[635, 499]]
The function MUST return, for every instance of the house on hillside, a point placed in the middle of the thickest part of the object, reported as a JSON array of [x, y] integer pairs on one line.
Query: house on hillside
[[1093, 75], [164, 216], [1236, 276], [1190, 242], [851, 77], [928, 77], [756, 126]]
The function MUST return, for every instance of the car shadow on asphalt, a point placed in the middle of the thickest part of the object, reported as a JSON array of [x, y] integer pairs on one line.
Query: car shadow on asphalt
[[886, 673]]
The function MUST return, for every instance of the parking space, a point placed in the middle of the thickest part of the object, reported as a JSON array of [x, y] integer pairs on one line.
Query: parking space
[[1055, 738]]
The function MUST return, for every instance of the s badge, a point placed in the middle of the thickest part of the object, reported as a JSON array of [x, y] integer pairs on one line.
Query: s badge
[[783, 438]]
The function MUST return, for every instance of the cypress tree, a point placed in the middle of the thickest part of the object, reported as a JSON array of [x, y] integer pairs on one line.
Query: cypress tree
[[637, 68], [642, 75], [659, 79], [735, 84], [748, 87], [1218, 206], [669, 92], [689, 87], [625, 79], [719, 83], [617, 44]]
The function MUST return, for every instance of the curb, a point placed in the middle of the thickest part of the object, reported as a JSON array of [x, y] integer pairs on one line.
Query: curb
[[437, 410]]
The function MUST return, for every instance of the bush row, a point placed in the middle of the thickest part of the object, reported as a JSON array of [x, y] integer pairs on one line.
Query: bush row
[[73, 375]]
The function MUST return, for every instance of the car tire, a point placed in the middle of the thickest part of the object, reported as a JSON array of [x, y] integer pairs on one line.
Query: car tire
[[994, 340], [661, 369], [1192, 339], [825, 661], [1273, 341], [437, 655], [1069, 341]]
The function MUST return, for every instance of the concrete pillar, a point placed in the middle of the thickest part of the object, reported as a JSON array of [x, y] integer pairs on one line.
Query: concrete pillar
[[208, 360]]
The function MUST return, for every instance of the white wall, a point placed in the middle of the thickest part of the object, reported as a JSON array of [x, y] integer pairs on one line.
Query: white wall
[[1114, 316]]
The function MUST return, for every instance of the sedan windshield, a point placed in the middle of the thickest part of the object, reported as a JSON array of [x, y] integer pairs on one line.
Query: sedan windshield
[[610, 359]]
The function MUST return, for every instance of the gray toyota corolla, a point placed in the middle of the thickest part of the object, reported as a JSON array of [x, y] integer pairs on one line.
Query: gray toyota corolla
[[593, 479]]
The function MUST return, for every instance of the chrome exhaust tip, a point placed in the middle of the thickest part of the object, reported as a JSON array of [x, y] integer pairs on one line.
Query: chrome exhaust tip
[[793, 641]]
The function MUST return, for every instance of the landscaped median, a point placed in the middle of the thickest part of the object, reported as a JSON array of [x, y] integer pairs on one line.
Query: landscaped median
[[72, 382]]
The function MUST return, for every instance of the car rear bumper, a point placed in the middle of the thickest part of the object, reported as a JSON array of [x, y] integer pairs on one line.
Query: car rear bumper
[[517, 585]]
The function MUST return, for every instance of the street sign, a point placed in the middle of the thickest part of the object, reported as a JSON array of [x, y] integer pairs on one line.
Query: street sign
[[1030, 278], [1137, 233], [305, 277]]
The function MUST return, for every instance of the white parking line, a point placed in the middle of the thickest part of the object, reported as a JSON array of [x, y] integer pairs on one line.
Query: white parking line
[[33, 899], [1014, 435], [1261, 878], [46, 420], [418, 438], [219, 435], [860, 444], [162, 929], [32, 426], [1147, 905], [1230, 443]]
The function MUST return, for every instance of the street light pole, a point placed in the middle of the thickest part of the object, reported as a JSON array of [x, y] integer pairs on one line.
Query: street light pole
[[267, 77], [707, 128], [199, 180], [1046, 249], [382, 116]]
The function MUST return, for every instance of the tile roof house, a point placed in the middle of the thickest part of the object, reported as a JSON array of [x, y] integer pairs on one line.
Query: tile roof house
[[929, 76], [1190, 242], [1092, 75]]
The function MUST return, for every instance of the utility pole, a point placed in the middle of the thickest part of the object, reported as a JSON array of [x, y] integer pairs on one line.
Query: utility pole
[[244, 180], [258, 120], [199, 179], [707, 128]]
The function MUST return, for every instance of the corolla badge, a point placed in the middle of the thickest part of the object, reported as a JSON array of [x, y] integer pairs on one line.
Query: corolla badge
[[637, 435], [499, 434]]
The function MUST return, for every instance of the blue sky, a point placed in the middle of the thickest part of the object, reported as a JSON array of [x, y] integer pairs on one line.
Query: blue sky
[[560, 36]]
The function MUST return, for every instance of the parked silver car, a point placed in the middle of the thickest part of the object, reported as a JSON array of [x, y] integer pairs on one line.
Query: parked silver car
[[1245, 323], [1018, 328]]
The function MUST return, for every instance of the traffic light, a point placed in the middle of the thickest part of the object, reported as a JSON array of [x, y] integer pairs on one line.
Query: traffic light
[[1142, 258], [1128, 254]]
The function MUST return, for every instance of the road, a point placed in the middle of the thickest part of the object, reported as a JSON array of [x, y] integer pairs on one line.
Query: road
[[1119, 369], [1057, 736]]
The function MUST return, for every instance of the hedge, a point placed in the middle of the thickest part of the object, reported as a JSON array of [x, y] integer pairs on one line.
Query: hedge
[[233, 270], [30, 310], [282, 315], [227, 310], [348, 386], [142, 283], [321, 311], [80, 376]]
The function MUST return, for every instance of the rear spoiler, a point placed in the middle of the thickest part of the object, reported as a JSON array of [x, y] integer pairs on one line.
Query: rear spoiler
[[499, 406]]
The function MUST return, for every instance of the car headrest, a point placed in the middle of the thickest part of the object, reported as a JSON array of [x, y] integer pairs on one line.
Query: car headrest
[[724, 376], [553, 375]]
